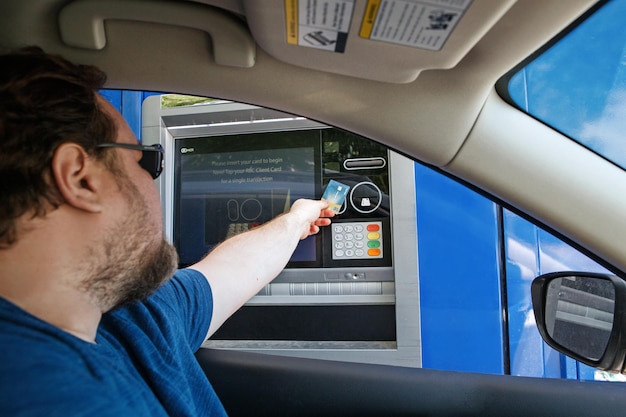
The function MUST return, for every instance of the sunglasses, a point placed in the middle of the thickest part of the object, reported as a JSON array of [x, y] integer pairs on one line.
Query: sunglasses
[[151, 156]]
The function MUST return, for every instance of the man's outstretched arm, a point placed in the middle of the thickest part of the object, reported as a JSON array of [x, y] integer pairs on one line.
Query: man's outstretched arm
[[241, 266]]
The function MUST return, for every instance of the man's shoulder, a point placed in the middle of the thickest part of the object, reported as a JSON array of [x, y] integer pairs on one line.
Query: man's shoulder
[[33, 347], [49, 372], [21, 332], [53, 387], [36, 351], [44, 375]]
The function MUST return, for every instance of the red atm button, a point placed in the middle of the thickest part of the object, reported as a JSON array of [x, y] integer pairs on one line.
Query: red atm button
[[373, 228]]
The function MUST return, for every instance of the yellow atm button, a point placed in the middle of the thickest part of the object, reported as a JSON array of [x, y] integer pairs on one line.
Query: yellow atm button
[[373, 236]]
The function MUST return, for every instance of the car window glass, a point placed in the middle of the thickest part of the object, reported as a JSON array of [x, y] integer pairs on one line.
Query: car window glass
[[578, 85], [475, 265]]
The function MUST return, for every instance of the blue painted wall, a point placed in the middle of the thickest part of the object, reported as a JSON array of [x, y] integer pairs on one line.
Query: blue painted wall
[[128, 103], [468, 324], [459, 273]]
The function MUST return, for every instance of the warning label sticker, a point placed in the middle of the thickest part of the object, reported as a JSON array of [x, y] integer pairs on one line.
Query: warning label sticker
[[320, 24], [425, 24]]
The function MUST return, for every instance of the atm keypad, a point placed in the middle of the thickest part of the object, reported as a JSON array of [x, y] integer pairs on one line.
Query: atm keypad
[[357, 240]]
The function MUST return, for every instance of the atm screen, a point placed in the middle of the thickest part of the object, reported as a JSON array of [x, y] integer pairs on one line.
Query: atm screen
[[230, 184]]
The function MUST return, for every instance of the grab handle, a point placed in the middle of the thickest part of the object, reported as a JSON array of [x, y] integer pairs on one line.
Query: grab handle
[[81, 24]]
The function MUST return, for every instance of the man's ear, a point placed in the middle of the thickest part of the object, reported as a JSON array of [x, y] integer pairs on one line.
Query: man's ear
[[78, 177]]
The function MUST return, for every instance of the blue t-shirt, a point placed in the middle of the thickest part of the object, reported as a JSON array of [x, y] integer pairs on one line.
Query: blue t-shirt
[[142, 363]]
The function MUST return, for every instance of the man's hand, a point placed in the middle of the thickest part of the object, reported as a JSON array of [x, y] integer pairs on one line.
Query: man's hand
[[311, 214]]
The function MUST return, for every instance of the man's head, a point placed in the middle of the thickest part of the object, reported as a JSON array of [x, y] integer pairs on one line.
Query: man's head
[[51, 121], [44, 101]]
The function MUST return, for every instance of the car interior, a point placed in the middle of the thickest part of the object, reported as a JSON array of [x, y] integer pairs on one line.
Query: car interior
[[442, 100]]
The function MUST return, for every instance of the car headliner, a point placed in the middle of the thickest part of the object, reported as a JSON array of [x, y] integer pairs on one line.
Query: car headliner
[[449, 117]]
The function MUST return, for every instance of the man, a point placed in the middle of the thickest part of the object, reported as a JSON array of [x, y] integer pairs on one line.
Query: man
[[81, 247]]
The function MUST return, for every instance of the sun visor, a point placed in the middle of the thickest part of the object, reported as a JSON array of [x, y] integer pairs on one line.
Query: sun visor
[[382, 40]]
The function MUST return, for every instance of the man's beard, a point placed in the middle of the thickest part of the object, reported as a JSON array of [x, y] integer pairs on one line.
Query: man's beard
[[132, 262]]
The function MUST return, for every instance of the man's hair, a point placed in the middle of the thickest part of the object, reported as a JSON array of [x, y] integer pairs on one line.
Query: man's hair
[[45, 101]]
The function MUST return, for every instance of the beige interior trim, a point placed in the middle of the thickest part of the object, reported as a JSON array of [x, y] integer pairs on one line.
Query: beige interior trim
[[513, 157]]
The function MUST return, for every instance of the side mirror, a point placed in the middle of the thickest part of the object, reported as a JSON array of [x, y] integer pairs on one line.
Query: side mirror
[[582, 315]]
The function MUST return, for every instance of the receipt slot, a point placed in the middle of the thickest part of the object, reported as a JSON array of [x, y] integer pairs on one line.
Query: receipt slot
[[349, 292]]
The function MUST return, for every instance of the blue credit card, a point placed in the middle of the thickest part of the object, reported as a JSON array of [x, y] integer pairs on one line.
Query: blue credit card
[[335, 194]]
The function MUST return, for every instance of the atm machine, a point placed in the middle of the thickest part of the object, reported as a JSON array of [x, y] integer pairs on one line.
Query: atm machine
[[348, 293]]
